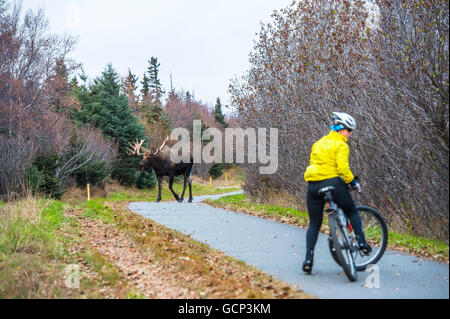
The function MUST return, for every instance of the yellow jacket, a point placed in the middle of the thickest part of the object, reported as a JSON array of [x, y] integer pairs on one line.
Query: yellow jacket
[[329, 158]]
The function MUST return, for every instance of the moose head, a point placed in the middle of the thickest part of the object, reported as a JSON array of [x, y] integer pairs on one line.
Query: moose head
[[147, 154]]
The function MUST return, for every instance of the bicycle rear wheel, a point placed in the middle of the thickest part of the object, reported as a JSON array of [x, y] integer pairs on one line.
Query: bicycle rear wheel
[[376, 234], [342, 248]]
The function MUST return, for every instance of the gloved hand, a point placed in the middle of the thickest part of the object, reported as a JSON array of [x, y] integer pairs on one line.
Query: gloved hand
[[355, 185]]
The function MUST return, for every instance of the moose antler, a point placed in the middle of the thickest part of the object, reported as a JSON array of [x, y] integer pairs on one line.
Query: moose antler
[[135, 148], [164, 143], [153, 151]]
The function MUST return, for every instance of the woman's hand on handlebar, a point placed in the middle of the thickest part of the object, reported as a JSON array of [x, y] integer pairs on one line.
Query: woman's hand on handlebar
[[355, 185]]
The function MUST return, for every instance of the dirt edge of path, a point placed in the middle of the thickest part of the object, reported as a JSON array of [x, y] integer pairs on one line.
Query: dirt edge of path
[[161, 263]]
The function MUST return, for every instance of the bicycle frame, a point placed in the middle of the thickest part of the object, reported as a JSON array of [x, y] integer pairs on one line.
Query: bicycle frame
[[337, 215], [333, 208]]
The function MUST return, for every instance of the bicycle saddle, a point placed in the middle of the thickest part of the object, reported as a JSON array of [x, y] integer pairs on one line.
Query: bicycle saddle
[[323, 190]]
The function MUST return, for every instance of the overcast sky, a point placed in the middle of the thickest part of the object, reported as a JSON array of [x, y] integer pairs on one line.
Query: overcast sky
[[202, 43]]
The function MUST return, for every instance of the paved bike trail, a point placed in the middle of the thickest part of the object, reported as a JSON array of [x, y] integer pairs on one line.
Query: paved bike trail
[[278, 249]]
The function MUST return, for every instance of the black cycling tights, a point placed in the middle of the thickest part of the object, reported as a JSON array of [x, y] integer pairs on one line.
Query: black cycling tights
[[315, 203]]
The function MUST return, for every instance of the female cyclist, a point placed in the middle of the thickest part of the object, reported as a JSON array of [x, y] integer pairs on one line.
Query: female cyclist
[[329, 166]]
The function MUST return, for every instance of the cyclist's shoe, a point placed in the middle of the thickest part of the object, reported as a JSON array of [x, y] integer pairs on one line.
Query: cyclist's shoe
[[365, 248], [308, 263]]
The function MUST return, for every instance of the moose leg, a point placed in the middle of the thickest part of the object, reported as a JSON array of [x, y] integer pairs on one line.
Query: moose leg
[[159, 178], [189, 180], [184, 186], [171, 189]]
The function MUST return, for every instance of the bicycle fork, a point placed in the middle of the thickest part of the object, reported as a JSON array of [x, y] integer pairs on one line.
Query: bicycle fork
[[347, 230], [343, 221]]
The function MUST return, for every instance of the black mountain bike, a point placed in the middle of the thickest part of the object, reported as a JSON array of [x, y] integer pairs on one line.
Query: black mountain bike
[[342, 240]]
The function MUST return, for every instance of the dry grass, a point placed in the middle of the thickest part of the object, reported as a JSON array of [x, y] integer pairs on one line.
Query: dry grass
[[76, 195], [235, 178], [38, 240], [120, 254], [26, 209], [29, 250]]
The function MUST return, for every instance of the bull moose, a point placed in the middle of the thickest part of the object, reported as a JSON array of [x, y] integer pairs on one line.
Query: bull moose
[[158, 159]]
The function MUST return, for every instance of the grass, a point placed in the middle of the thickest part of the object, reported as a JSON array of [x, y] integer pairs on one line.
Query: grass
[[36, 238], [31, 250], [235, 178], [95, 207], [39, 238], [419, 246], [240, 202], [30, 226], [115, 192], [166, 194], [426, 247], [109, 273]]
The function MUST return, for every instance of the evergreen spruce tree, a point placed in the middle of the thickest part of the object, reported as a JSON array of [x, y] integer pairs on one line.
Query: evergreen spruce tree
[[146, 180], [41, 176], [155, 84], [145, 90], [173, 97], [218, 115], [145, 101], [129, 87], [155, 112], [187, 97], [105, 107], [216, 170]]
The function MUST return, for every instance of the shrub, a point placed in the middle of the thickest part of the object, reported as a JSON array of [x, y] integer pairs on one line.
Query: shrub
[[216, 170], [124, 170], [42, 178], [146, 180], [92, 173]]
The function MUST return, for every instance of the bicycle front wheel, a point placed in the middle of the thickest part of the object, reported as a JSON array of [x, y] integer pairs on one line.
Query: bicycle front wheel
[[342, 248], [376, 234]]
